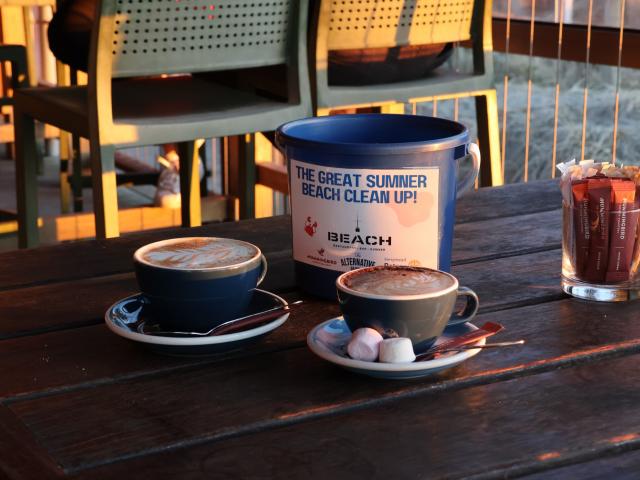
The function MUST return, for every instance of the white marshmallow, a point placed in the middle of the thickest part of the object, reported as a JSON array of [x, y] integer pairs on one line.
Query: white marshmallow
[[397, 350], [364, 345]]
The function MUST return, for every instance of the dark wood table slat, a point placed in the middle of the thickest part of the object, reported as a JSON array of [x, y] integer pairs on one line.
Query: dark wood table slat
[[91, 258], [507, 237], [84, 426], [514, 281], [452, 434], [68, 305], [509, 200], [611, 464], [20, 456]]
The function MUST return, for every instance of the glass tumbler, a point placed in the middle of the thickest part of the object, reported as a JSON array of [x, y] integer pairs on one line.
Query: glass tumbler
[[600, 253]]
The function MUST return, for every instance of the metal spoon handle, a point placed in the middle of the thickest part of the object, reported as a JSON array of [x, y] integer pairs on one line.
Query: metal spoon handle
[[487, 330], [252, 320], [486, 345]]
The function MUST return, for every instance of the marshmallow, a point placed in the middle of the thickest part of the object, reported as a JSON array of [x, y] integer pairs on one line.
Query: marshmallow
[[364, 345], [397, 350]]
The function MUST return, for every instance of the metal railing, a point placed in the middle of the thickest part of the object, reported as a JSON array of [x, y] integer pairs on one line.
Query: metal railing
[[518, 30]]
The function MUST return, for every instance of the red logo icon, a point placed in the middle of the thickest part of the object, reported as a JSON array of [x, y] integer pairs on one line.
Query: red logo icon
[[310, 227]]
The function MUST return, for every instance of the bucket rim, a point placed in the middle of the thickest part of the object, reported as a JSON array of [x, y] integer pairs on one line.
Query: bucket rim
[[284, 139]]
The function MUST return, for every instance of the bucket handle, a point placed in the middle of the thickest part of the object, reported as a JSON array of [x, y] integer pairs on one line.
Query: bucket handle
[[469, 181]]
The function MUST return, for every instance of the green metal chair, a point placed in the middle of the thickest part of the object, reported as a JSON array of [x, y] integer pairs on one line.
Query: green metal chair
[[362, 24], [125, 103], [16, 56]]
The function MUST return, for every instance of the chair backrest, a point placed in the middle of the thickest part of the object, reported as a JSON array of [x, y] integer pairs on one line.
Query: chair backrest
[[151, 37], [356, 24]]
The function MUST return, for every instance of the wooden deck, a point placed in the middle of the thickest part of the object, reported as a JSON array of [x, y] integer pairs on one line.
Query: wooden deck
[[135, 202]]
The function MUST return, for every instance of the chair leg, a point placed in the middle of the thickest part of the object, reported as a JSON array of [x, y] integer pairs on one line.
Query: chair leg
[[206, 154], [65, 186], [30, 44], [240, 153], [489, 139], [76, 173], [105, 193], [26, 179], [190, 184], [40, 148]]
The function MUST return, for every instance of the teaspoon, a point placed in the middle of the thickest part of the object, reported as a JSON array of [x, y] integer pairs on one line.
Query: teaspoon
[[228, 327]]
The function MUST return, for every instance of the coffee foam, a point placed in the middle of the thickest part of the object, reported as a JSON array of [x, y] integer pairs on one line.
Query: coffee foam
[[398, 281], [200, 253]]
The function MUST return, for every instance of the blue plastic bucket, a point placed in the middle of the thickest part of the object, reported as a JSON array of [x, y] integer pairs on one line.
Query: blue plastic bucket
[[372, 189]]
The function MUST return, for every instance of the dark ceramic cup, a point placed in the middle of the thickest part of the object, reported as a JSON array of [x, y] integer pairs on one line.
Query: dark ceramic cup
[[189, 288], [422, 317]]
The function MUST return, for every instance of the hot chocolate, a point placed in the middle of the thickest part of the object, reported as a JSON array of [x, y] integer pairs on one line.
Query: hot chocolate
[[393, 281], [199, 253]]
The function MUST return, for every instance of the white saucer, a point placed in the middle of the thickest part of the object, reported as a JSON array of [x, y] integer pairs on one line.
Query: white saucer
[[329, 341], [124, 316]]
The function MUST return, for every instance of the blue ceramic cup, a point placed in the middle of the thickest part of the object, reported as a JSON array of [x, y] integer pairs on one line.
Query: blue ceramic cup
[[372, 189], [196, 283], [417, 303]]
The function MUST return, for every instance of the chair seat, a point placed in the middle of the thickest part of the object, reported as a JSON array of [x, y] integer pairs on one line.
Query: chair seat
[[158, 109], [437, 83]]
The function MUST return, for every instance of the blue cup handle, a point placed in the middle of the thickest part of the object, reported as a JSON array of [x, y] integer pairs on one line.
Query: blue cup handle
[[470, 309], [263, 273], [469, 181]]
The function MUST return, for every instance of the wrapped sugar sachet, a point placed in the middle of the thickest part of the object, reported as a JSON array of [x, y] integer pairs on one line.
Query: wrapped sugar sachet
[[604, 203]]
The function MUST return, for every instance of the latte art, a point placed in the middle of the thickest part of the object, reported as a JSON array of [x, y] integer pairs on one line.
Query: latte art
[[398, 281], [200, 253]]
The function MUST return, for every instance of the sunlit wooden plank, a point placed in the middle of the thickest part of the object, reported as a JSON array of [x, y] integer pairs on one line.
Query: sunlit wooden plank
[[604, 41], [397, 108], [617, 101], [529, 91], [263, 194], [505, 99], [586, 82], [557, 99]]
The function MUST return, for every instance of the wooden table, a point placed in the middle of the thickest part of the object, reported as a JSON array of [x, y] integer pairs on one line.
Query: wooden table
[[77, 401]]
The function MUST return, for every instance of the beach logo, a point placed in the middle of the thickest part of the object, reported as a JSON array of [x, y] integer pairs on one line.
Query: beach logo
[[310, 227]]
